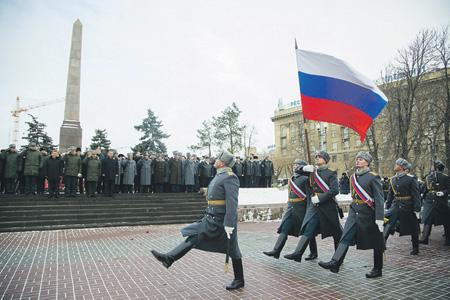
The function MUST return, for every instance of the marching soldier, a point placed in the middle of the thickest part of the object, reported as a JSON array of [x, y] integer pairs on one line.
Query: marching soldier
[[299, 195], [436, 210], [364, 225], [403, 204], [322, 213], [217, 231]]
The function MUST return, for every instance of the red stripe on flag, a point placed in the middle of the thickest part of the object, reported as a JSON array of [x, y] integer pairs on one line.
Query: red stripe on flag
[[336, 112]]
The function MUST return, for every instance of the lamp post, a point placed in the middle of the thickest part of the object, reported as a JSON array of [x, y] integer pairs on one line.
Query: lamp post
[[321, 131]]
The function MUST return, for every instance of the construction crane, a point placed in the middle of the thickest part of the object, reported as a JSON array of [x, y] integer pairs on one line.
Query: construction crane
[[16, 114]]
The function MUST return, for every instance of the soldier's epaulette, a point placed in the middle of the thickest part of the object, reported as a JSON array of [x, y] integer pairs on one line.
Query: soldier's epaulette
[[373, 173], [410, 175], [331, 169], [230, 173]]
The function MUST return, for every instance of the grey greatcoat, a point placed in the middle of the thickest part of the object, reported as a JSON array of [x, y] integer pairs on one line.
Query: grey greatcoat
[[146, 171], [368, 236], [129, 171], [188, 172], [222, 194], [296, 208], [327, 210], [404, 198], [120, 168], [434, 206]]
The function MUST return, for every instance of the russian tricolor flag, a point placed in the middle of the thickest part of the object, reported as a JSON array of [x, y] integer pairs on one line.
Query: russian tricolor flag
[[332, 91]]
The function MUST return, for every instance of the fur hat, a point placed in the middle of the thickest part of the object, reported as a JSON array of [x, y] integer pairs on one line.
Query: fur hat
[[364, 155], [300, 162], [440, 166], [13, 146], [227, 158], [402, 163], [324, 155]]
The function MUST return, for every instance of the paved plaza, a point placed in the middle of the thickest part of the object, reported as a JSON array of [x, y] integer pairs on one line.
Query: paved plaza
[[115, 263]]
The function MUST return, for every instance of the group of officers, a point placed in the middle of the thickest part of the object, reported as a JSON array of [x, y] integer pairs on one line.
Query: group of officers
[[312, 209]]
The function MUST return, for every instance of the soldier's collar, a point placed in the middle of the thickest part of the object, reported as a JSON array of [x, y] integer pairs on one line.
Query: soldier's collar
[[223, 170], [363, 171], [324, 167], [401, 174]]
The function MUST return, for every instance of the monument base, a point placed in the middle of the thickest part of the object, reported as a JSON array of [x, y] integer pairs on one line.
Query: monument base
[[69, 135]]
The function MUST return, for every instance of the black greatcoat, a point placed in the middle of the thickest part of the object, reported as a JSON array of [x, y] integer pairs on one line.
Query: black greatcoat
[[327, 209], [434, 205], [110, 168], [399, 189], [367, 236], [297, 209], [210, 230]]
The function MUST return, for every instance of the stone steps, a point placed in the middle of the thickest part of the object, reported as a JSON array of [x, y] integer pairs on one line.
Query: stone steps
[[37, 212]]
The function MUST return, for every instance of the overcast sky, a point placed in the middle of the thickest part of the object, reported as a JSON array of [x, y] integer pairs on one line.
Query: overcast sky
[[188, 60]]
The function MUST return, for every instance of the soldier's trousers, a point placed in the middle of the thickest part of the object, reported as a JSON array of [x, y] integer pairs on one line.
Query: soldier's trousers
[[287, 226], [10, 184], [311, 228]]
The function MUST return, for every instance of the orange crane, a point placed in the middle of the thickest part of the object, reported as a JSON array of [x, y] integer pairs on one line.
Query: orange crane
[[16, 114]]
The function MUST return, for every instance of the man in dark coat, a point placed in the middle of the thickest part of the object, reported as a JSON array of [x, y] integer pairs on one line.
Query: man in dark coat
[[217, 231], [72, 171], [53, 170], [403, 204], [101, 181], [10, 165], [344, 184], [110, 170], [93, 167], [248, 171], [436, 209], [322, 213], [196, 173], [299, 193], [137, 179], [206, 172], [33, 162], [238, 169], [160, 173], [256, 171], [146, 166], [268, 171], [364, 225], [176, 169]]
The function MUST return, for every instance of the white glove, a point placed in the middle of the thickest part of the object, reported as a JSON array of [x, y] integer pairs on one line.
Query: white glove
[[308, 168], [315, 199], [79, 175], [417, 214], [380, 225], [440, 194], [228, 231]]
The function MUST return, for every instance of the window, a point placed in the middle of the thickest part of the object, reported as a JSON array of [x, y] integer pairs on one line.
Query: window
[[283, 142], [311, 126], [312, 137], [283, 131], [346, 145], [334, 147], [345, 133], [293, 140], [333, 133], [313, 148], [334, 158], [293, 129], [284, 152], [324, 146], [358, 143]]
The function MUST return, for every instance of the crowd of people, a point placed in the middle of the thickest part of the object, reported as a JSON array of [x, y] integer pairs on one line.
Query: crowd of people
[[94, 172]]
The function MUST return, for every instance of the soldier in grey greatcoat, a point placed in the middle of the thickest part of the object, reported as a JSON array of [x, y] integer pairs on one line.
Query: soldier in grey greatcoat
[[403, 205], [189, 173], [146, 173], [299, 193], [217, 231], [436, 209], [129, 173], [322, 213], [364, 225], [9, 161]]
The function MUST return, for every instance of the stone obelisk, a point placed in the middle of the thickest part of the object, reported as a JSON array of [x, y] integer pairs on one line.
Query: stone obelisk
[[71, 132]]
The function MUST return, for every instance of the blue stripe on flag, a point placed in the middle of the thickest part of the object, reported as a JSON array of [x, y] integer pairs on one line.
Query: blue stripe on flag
[[329, 88]]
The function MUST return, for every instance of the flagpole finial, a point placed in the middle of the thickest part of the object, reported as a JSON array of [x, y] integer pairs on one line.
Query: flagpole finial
[[296, 47]]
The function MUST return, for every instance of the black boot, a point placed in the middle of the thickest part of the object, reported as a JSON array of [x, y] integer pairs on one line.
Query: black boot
[[313, 249], [415, 244], [176, 253], [377, 264], [301, 247], [338, 257], [278, 246], [425, 234], [447, 235], [238, 280], [387, 231]]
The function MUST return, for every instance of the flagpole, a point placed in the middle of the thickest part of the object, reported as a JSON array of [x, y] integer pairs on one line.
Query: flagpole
[[311, 178]]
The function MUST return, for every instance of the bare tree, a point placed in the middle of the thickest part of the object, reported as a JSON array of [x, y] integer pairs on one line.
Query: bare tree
[[249, 137], [205, 138]]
